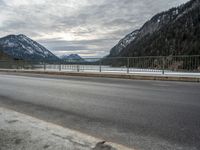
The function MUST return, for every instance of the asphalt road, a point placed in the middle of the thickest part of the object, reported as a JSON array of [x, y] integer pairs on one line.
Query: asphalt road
[[140, 114]]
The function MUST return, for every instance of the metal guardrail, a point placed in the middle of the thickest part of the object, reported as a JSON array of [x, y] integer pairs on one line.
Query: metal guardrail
[[160, 64]]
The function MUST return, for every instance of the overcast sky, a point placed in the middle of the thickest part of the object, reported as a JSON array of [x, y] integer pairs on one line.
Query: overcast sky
[[86, 27]]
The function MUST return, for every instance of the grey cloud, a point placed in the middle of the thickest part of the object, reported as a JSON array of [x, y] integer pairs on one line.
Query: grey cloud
[[2, 3], [94, 27], [69, 47]]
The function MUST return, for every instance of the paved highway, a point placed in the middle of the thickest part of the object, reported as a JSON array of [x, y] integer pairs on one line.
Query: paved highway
[[140, 114]]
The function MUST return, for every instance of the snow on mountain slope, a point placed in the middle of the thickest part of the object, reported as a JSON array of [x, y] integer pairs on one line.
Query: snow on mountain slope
[[172, 32], [22, 47], [123, 43], [71, 56]]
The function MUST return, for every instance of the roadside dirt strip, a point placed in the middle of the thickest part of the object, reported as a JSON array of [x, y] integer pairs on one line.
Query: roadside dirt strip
[[21, 132], [109, 75]]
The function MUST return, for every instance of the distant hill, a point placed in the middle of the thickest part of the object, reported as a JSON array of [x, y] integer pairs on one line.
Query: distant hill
[[23, 48], [72, 57], [173, 32]]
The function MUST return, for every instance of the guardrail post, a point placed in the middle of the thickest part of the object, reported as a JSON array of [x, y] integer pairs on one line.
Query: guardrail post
[[60, 66], [78, 69], [99, 65], [128, 64], [44, 65], [23, 65], [163, 65], [18, 66]]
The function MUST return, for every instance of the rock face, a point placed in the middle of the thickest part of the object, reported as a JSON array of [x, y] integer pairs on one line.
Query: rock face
[[23, 48], [173, 32]]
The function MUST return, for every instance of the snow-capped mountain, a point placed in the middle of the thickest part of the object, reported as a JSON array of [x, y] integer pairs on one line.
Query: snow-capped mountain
[[22, 47], [172, 32], [71, 57], [123, 43]]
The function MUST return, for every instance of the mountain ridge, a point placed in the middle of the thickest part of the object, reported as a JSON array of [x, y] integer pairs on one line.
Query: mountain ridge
[[22, 47], [123, 43], [167, 33], [71, 56]]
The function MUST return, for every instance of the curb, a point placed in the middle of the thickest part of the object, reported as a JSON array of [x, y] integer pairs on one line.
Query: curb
[[109, 75]]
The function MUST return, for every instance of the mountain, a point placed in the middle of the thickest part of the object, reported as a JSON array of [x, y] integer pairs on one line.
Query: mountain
[[123, 43], [23, 48], [173, 32], [75, 57]]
